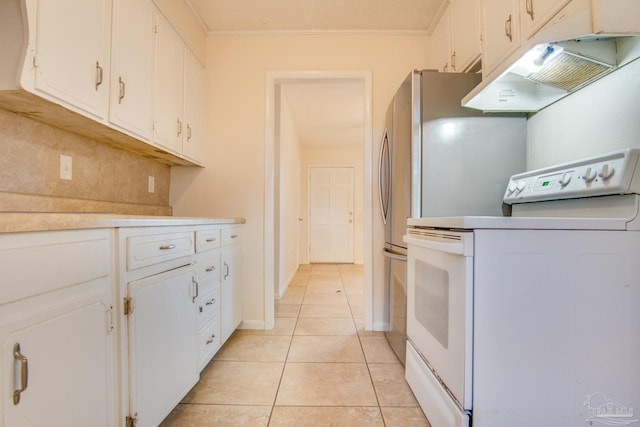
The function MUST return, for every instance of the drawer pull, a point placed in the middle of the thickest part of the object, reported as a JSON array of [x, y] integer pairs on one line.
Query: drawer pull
[[196, 289], [167, 247], [210, 269], [234, 236], [211, 301], [226, 274], [23, 366], [508, 28], [211, 239], [210, 340]]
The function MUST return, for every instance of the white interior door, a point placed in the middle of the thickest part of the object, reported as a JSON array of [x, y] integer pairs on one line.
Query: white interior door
[[331, 214]]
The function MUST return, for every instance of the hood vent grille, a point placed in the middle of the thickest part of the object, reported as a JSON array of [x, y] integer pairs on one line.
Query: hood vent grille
[[570, 71]]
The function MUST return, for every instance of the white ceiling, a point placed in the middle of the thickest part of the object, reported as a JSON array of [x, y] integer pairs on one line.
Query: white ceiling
[[327, 112], [323, 112], [316, 15]]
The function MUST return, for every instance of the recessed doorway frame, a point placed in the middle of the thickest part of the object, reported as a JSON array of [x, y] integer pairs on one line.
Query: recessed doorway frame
[[273, 80]]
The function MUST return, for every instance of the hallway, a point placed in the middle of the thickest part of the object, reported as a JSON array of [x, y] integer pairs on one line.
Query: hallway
[[317, 367]]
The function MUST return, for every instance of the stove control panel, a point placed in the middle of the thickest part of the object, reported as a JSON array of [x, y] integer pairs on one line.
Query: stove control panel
[[612, 173]]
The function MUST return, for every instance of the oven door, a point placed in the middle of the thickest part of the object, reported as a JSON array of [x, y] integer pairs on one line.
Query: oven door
[[440, 306]]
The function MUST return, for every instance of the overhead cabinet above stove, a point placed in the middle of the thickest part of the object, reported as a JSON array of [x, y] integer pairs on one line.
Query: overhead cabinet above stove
[[535, 52]]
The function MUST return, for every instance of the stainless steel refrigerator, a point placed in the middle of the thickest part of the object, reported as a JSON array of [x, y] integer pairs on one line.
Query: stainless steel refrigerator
[[433, 149]]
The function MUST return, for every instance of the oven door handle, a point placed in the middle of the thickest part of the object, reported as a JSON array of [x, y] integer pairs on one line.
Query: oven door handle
[[458, 246], [394, 255]]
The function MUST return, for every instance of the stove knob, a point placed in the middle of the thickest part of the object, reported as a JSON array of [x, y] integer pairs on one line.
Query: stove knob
[[589, 175], [521, 186], [565, 179], [512, 187], [606, 172]]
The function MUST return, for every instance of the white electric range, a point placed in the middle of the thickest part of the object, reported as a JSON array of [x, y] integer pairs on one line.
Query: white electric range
[[532, 319]]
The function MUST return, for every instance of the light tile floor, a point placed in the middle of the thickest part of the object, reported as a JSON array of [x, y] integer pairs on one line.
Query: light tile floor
[[317, 367]]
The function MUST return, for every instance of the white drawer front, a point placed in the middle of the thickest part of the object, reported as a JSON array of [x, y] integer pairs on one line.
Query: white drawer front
[[148, 250], [230, 236], [208, 269], [208, 306], [209, 341], [34, 263], [207, 240]]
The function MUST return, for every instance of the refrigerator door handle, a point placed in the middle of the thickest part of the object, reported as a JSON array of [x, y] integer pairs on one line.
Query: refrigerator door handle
[[394, 255], [384, 186]]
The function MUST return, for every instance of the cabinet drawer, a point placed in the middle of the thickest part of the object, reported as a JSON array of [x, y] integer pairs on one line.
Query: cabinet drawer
[[208, 306], [209, 341], [35, 263], [207, 239], [230, 236], [148, 250], [208, 274]]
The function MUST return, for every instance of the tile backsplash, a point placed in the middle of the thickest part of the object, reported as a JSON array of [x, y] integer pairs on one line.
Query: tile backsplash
[[104, 179]]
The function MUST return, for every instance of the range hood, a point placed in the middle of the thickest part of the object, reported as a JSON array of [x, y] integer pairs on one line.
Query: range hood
[[560, 59]]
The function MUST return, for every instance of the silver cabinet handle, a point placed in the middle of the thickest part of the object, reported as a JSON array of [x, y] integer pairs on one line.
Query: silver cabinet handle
[[210, 302], [179, 127], [122, 90], [167, 247], [99, 74], [188, 132], [210, 340], [234, 236], [23, 367], [508, 28], [453, 61], [210, 269], [195, 284], [226, 274], [210, 240]]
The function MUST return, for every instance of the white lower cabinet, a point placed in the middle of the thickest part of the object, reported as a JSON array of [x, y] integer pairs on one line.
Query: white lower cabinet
[[231, 283], [56, 329], [162, 343]]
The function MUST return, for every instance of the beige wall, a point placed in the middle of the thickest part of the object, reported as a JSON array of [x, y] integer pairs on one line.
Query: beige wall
[[105, 179], [287, 199], [233, 182]]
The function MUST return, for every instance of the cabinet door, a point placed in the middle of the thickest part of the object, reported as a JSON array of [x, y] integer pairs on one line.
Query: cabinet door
[[67, 340], [465, 34], [72, 53], [194, 108], [231, 291], [441, 43], [169, 89], [163, 343], [535, 13], [501, 32], [132, 67]]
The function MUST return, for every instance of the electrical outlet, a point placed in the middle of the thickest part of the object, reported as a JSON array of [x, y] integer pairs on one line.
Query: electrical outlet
[[152, 184], [66, 167]]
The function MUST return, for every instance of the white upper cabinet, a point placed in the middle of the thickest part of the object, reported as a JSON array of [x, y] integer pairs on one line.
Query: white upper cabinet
[[194, 108], [535, 13], [110, 70], [72, 48], [465, 34], [169, 88], [441, 43], [455, 42], [501, 32], [179, 96], [132, 67]]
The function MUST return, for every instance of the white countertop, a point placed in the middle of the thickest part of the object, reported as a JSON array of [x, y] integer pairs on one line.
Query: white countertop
[[12, 222], [519, 223]]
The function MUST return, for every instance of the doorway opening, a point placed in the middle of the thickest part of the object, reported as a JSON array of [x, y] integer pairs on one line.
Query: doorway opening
[[287, 226]]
